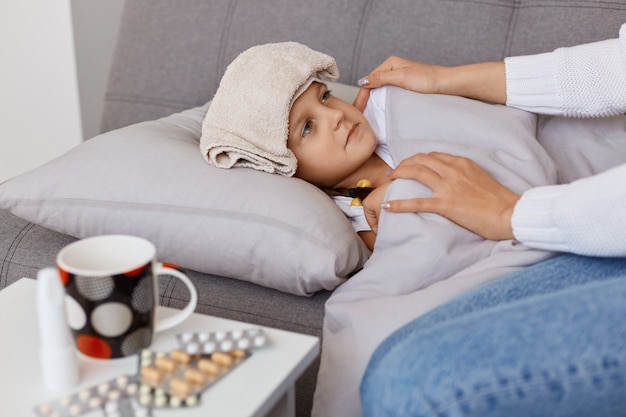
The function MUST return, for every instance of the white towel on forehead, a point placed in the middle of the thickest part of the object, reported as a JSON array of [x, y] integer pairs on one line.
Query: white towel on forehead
[[247, 122]]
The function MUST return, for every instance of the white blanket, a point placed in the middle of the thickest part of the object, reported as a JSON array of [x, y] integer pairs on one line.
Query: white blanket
[[423, 260]]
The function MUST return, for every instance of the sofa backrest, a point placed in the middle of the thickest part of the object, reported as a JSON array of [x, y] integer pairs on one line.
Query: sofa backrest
[[170, 55]]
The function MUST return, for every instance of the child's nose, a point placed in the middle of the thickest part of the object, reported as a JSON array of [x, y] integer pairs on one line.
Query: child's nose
[[336, 117]]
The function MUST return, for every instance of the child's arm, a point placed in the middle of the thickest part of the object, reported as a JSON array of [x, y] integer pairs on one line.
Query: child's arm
[[371, 209], [369, 238]]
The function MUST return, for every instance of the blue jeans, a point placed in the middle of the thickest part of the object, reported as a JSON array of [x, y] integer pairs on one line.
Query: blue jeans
[[549, 340]]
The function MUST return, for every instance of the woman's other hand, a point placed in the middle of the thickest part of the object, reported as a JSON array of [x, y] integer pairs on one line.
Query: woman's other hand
[[462, 192], [405, 73], [484, 81]]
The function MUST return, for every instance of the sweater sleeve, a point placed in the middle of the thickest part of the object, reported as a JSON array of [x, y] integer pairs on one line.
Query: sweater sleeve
[[582, 81], [588, 216], [566, 217]]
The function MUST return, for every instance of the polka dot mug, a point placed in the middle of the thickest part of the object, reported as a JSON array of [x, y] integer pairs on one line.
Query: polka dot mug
[[111, 285]]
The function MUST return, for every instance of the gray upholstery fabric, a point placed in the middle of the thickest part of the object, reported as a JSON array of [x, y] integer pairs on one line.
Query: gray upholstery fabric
[[170, 58], [171, 55], [25, 248]]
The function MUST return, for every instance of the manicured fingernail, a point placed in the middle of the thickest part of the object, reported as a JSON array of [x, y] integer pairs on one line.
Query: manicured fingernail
[[363, 81], [385, 205]]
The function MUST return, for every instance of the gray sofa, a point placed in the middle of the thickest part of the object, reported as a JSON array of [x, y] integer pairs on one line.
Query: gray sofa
[[171, 55]]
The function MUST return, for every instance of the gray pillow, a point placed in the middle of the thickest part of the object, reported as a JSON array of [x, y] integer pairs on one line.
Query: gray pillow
[[583, 147], [150, 180]]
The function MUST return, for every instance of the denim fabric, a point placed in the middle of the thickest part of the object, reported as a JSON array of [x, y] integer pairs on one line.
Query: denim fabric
[[547, 341]]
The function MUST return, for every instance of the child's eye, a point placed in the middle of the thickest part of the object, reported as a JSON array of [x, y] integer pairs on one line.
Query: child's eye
[[307, 128], [326, 96]]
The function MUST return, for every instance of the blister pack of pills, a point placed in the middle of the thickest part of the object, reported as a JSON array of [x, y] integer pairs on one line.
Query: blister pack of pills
[[221, 341], [177, 379], [116, 397]]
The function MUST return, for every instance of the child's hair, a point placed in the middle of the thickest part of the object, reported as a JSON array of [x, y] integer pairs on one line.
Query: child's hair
[[356, 192]]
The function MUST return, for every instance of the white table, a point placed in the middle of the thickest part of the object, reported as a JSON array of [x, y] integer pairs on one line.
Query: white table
[[261, 386]]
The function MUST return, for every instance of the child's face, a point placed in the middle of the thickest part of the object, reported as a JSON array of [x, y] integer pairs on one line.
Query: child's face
[[329, 137]]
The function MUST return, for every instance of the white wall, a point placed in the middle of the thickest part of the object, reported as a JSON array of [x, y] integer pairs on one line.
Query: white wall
[[96, 23], [40, 102]]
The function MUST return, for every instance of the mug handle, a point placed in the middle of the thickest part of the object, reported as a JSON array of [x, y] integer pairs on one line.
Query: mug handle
[[168, 322]]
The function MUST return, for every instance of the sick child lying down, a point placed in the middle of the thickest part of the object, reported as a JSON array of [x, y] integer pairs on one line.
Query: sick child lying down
[[274, 113]]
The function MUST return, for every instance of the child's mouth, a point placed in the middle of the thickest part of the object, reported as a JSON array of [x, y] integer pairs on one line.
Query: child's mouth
[[352, 132]]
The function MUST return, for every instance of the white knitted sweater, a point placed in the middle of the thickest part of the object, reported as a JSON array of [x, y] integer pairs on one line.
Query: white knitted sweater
[[588, 216]]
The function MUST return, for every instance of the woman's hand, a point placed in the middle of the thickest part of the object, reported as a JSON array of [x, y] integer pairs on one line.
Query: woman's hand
[[484, 81], [462, 192], [411, 75]]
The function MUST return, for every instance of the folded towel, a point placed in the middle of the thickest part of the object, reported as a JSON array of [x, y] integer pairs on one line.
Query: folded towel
[[247, 122]]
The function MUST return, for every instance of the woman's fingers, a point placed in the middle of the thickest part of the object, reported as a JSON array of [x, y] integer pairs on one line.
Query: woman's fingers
[[418, 171], [411, 75], [376, 78], [389, 74], [414, 205], [462, 192]]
